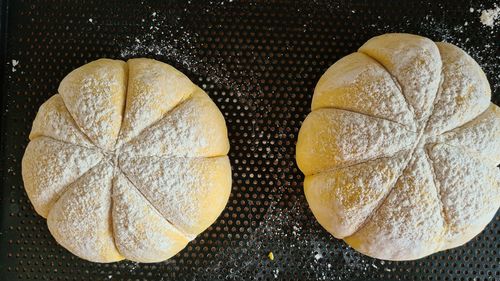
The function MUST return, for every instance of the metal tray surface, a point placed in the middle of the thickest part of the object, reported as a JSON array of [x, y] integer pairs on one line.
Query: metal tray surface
[[259, 61]]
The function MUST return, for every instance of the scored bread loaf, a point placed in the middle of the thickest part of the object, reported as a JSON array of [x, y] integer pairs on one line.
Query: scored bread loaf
[[400, 151], [127, 161]]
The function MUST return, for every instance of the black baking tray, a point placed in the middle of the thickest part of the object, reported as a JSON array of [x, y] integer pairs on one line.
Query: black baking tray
[[259, 61]]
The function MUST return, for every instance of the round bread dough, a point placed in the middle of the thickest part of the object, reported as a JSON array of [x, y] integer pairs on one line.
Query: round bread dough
[[128, 161], [400, 151]]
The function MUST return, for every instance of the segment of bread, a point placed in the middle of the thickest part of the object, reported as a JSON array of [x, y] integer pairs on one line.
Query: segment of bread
[[331, 138], [342, 199], [81, 219], [95, 97], [53, 120], [195, 128], [141, 233], [415, 62], [464, 94], [470, 191], [189, 192], [49, 166], [154, 88], [359, 83], [480, 136], [409, 224]]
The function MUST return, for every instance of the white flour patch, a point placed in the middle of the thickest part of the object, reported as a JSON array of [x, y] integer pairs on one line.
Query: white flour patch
[[488, 17], [14, 63], [318, 256]]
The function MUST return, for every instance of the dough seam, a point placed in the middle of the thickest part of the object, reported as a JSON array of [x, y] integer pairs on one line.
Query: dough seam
[[367, 115], [165, 115], [360, 162], [412, 153], [95, 148], [124, 107], [68, 186], [398, 85], [389, 192], [111, 205], [444, 213], [78, 126], [181, 231], [480, 115], [465, 149]]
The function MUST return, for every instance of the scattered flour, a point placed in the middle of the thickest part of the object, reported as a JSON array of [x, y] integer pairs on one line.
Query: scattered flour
[[169, 39], [14, 64], [330, 258], [488, 17]]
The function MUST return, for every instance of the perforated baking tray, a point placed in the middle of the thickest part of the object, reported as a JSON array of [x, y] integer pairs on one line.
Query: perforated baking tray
[[259, 61]]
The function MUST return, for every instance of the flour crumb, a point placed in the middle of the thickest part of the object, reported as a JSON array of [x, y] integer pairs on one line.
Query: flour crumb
[[91, 20], [488, 17], [276, 272], [14, 64], [471, 10], [318, 256], [374, 266]]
